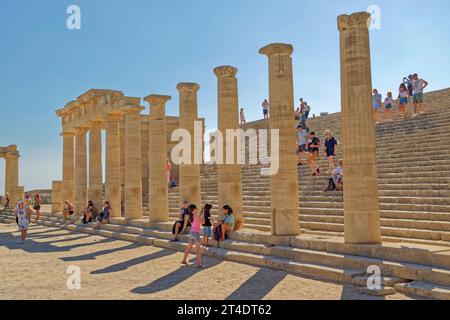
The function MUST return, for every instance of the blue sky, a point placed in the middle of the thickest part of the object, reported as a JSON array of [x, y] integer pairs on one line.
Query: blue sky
[[148, 46]]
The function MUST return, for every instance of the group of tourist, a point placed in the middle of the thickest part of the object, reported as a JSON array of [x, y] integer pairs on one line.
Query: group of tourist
[[412, 87], [191, 221], [24, 212]]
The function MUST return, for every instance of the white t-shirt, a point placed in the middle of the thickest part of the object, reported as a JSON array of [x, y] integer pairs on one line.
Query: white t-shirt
[[339, 171], [388, 100], [418, 86]]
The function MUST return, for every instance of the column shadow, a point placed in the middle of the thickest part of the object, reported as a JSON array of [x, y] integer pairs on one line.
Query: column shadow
[[133, 262], [174, 278], [93, 255], [258, 286]]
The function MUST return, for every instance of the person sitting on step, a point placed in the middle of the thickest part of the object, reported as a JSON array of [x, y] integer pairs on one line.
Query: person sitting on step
[[227, 223], [104, 215], [68, 209], [90, 213], [335, 182], [183, 222]]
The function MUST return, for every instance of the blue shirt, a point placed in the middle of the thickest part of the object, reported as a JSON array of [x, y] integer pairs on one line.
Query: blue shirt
[[375, 101], [229, 219]]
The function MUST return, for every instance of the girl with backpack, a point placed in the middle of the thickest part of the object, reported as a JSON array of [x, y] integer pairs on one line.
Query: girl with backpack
[[194, 236]]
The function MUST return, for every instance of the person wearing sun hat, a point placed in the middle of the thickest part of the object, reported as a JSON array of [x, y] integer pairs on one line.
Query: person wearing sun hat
[[330, 149]]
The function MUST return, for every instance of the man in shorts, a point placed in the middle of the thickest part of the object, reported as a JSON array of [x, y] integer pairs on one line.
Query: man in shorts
[[301, 143], [418, 86], [265, 106]]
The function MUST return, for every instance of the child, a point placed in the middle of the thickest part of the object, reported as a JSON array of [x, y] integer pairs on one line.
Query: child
[[403, 96], [194, 236], [207, 224], [388, 106], [23, 216]]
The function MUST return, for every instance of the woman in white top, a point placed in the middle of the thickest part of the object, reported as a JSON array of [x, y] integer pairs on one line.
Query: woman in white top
[[23, 215]]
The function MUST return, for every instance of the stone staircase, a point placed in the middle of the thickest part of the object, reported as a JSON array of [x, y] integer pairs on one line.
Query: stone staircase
[[413, 269], [413, 171]]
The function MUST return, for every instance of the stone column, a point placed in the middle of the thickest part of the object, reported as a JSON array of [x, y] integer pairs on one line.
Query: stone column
[[113, 184], [80, 185], [361, 206], [95, 164], [57, 198], [133, 174], [157, 155], [230, 180], [68, 167], [283, 184], [189, 173], [122, 159], [12, 175]]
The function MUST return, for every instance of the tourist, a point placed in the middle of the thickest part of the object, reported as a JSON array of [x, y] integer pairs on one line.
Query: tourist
[[242, 116], [297, 114], [330, 149], [418, 86], [302, 105], [388, 102], [207, 224], [227, 223], [168, 170], [183, 222], [335, 181], [104, 215], [6, 200], [408, 81], [301, 143], [265, 106], [68, 209], [303, 119], [403, 97], [376, 103], [307, 110], [313, 150], [23, 217], [90, 213], [194, 235], [37, 205]]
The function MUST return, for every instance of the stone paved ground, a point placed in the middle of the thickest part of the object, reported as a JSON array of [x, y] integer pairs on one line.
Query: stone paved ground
[[112, 269]]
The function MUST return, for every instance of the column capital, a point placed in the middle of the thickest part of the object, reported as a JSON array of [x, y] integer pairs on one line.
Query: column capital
[[188, 86], [96, 123], [114, 117], [358, 20], [274, 49], [156, 99], [133, 109], [225, 72], [81, 130], [68, 134]]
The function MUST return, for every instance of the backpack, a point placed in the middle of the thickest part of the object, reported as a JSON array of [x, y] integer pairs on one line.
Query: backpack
[[217, 235]]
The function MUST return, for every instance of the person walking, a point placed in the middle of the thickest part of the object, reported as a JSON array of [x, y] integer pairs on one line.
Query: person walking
[[194, 235], [330, 149], [301, 143], [376, 103], [23, 216], [207, 224], [418, 86], [388, 102], [313, 149], [265, 106], [307, 110], [37, 205], [403, 98], [242, 116]]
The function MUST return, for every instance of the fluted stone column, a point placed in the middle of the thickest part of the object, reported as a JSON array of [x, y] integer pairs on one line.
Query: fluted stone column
[[57, 198], [68, 166], [113, 183], [230, 180], [157, 155], [122, 159], [95, 164], [80, 184], [133, 174], [283, 184], [189, 173], [12, 175], [361, 203]]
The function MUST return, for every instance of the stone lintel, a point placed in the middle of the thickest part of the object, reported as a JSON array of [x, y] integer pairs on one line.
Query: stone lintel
[[274, 49], [358, 20], [225, 72]]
